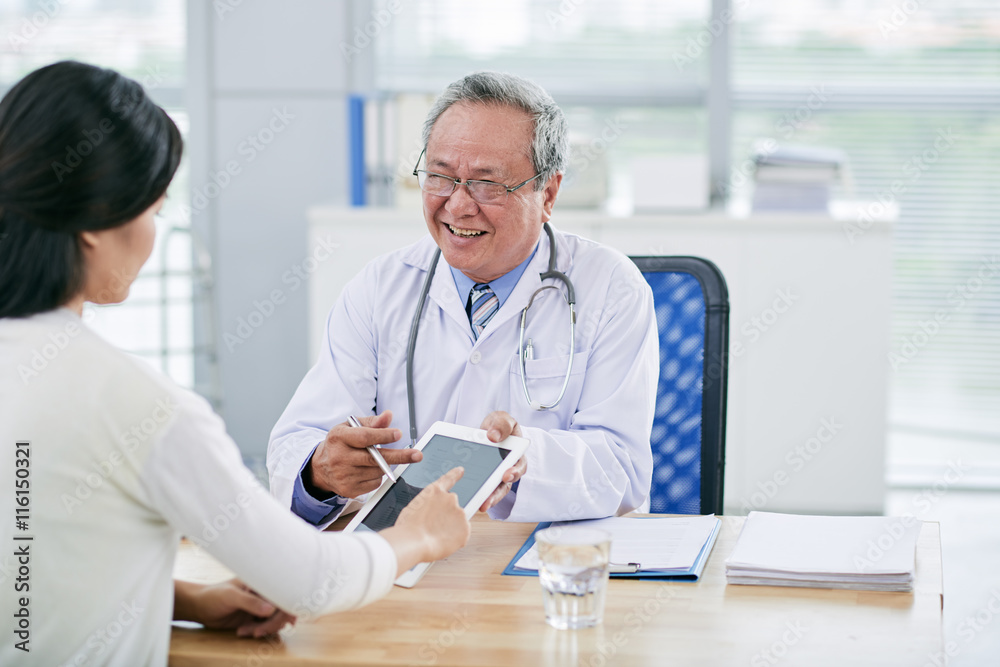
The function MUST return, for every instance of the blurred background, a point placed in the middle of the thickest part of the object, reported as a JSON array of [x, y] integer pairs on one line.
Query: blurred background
[[876, 121]]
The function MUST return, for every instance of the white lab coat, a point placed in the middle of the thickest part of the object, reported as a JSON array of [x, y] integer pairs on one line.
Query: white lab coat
[[589, 457]]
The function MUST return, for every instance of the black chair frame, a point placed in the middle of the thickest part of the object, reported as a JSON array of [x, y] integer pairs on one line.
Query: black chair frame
[[715, 376]]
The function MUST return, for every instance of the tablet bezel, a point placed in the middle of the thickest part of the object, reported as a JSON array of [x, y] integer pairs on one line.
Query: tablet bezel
[[516, 447]]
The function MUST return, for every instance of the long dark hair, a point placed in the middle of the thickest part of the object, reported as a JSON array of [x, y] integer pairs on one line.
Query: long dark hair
[[81, 148]]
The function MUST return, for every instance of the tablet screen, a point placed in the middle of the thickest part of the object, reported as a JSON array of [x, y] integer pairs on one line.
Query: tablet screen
[[441, 454]]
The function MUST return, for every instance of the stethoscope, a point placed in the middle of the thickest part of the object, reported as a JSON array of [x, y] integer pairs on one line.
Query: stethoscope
[[524, 351]]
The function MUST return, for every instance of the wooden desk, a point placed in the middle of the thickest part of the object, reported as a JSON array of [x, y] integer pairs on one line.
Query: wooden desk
[[465, 613]]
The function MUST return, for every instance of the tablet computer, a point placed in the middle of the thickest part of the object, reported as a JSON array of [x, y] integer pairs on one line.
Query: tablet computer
[[444, 446]]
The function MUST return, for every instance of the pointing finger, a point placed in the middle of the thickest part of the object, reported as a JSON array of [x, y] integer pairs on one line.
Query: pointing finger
[[448, 480]]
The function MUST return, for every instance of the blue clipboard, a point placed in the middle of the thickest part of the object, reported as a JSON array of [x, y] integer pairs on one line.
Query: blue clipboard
[[693, 574]]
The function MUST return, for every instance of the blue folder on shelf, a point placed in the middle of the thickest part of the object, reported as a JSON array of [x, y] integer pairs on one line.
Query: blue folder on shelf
[[631, 553]]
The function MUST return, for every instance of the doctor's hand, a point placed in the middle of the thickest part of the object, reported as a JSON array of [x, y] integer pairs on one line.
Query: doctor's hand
[[341, 465], [498, 425]]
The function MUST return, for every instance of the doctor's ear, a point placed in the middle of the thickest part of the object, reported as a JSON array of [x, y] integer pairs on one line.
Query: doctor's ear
[[550, 192]]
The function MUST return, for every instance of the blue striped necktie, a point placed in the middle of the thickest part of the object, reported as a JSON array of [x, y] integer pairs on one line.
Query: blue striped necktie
[[483, 304]]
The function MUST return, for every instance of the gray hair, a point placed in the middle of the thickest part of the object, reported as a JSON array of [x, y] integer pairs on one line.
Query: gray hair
[[550, 144]]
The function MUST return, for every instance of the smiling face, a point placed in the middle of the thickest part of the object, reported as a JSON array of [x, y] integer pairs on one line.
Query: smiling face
[[486, 143]]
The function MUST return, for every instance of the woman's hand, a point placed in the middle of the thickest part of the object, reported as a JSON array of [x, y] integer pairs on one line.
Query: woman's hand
[[431, 527], [229, 605]]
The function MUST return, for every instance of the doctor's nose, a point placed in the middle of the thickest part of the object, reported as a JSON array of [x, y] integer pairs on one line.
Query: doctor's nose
[[461, 202]]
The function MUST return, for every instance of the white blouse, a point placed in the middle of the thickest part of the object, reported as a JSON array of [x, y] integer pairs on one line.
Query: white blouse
[[120, 463]]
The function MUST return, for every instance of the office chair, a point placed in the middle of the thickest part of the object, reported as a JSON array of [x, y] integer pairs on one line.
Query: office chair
[[689, 426]]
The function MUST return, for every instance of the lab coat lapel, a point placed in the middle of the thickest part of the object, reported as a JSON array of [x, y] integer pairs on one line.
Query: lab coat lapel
[[443, 291]]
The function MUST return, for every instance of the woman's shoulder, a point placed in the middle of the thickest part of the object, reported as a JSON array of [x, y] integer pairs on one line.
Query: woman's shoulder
[[59, 348]]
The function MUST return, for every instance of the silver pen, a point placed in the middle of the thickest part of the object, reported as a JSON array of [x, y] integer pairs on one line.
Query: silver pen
[[353, 421]]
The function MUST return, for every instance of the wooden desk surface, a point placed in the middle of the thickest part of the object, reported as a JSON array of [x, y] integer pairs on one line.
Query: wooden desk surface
[[465, 613]]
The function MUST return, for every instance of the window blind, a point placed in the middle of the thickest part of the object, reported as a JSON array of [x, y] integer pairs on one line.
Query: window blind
[[575, 49], [911, 91]]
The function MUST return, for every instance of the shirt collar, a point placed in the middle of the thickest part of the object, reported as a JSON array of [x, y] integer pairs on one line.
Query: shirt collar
[[502, 286]]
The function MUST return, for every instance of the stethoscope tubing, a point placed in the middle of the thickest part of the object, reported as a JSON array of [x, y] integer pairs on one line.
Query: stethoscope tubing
[[550, 273]]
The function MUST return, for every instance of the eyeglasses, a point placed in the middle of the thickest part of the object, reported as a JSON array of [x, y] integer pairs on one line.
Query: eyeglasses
[[482, 192]]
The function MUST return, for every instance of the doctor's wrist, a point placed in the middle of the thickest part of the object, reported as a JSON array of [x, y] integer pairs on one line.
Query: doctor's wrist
[[310, 486]]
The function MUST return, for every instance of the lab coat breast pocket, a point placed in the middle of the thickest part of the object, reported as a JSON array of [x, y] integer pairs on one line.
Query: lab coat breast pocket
[[545, 379]]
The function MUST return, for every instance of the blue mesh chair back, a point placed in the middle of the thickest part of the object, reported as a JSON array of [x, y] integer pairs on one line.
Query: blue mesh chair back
[[689, 426]]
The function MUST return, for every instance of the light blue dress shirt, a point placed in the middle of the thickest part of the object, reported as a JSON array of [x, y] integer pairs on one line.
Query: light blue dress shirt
[[315, 510], [502, 286]]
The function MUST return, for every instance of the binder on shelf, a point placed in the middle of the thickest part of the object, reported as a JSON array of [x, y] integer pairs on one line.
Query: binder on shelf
[[641, 547]]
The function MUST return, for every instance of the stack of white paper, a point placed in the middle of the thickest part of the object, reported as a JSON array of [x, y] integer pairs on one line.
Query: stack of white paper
[[796, 178], [862, 552]]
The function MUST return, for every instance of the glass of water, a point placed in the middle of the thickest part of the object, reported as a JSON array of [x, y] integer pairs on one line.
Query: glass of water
[[573, 570]]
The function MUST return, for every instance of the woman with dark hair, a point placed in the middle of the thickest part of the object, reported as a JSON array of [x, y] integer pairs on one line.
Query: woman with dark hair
[[111, 462]]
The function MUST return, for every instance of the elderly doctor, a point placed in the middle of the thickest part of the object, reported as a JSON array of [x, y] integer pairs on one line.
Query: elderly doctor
[[495, 149]]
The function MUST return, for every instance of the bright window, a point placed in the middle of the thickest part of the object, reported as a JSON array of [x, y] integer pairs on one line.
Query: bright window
[[146, 40]]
